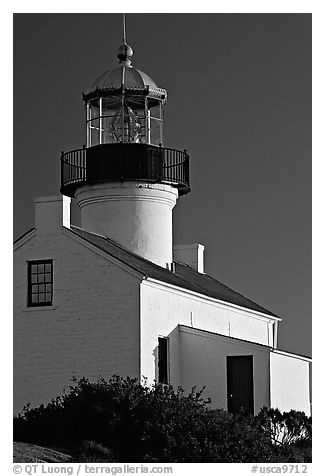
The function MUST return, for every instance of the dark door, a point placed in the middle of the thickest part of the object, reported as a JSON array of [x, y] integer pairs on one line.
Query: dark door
[[240, 387]]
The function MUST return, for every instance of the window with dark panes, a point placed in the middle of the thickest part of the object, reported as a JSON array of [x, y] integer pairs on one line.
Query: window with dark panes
[[163, 360], [40, 283]]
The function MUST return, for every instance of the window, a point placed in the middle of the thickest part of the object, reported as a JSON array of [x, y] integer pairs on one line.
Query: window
[[40, 283], [162, 360]]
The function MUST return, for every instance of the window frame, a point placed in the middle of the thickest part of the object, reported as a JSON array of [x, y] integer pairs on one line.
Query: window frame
[[30, 284]]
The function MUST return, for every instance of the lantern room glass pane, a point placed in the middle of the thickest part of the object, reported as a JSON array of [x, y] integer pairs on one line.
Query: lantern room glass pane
[[155, 131], [156, 112], [142, 121], [94, 132], [109, 107], [156, 123], [130, 118], [94, 108], [125, 125], [93, 122]]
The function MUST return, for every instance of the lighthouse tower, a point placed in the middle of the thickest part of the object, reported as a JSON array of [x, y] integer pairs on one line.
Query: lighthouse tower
[[125, 182]]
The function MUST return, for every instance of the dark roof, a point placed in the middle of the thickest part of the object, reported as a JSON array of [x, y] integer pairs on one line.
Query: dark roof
[[184, 276]]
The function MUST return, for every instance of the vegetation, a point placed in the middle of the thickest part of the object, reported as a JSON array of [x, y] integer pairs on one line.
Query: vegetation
[[122, 421]]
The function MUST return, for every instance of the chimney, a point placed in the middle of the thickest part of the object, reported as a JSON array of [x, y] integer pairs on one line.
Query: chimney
[[193, 255], [51, 213]]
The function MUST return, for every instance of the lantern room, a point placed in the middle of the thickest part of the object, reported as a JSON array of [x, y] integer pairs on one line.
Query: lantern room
[[124, 134], [124, 105]]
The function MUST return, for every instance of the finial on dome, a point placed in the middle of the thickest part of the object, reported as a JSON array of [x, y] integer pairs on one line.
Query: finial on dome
[[124, 54]]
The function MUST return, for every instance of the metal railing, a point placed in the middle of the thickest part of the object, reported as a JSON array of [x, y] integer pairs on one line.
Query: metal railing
[[73, 166], [176, 166], [116, 162]]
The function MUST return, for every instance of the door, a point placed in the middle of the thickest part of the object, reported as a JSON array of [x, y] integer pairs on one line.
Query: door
[[240, 386]]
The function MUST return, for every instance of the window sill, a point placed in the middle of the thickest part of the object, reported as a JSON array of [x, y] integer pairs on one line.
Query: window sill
[[39, 308]]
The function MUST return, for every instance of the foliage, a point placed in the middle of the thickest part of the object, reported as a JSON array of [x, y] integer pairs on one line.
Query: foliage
[[121, 420], [290, 432], [286, 428], [92, 452]]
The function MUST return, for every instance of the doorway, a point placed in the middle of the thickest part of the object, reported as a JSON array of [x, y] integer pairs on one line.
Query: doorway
[[240, 384]]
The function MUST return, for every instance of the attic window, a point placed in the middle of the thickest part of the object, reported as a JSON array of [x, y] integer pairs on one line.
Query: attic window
[[40, 283]]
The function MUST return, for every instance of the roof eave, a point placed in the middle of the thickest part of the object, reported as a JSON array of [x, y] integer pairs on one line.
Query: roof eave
[[154, 93], [24, 238]]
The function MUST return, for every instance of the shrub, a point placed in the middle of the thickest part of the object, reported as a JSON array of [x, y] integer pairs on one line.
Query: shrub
[[92, 452], [290, 432], [285, 428], [121, 420]]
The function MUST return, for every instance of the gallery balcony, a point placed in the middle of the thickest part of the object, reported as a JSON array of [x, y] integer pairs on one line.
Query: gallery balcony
[[124, 162]]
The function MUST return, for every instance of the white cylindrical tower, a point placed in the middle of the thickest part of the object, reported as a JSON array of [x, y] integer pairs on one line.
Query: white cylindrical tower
[[137, 215], [125, 182]]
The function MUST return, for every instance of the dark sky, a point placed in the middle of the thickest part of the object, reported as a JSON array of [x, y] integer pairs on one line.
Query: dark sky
[[239, 100]]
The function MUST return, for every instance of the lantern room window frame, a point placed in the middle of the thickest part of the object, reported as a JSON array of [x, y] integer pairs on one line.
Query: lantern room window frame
[[97, 119]]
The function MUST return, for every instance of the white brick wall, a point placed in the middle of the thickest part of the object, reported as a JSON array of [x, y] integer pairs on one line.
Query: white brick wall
[[163, 308], [92, 329]]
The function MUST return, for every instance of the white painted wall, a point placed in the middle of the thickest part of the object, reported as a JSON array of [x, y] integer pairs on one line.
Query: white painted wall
[[290, 383], [164, 307], [136, 215], [92, 329], [203, 360]]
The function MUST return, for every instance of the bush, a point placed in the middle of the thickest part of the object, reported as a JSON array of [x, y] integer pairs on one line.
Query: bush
[[92, 452], [121, 420], [290, 432]]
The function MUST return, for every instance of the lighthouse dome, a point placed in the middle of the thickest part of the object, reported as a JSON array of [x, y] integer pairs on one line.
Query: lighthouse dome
[[126, 76], [129, 77]]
